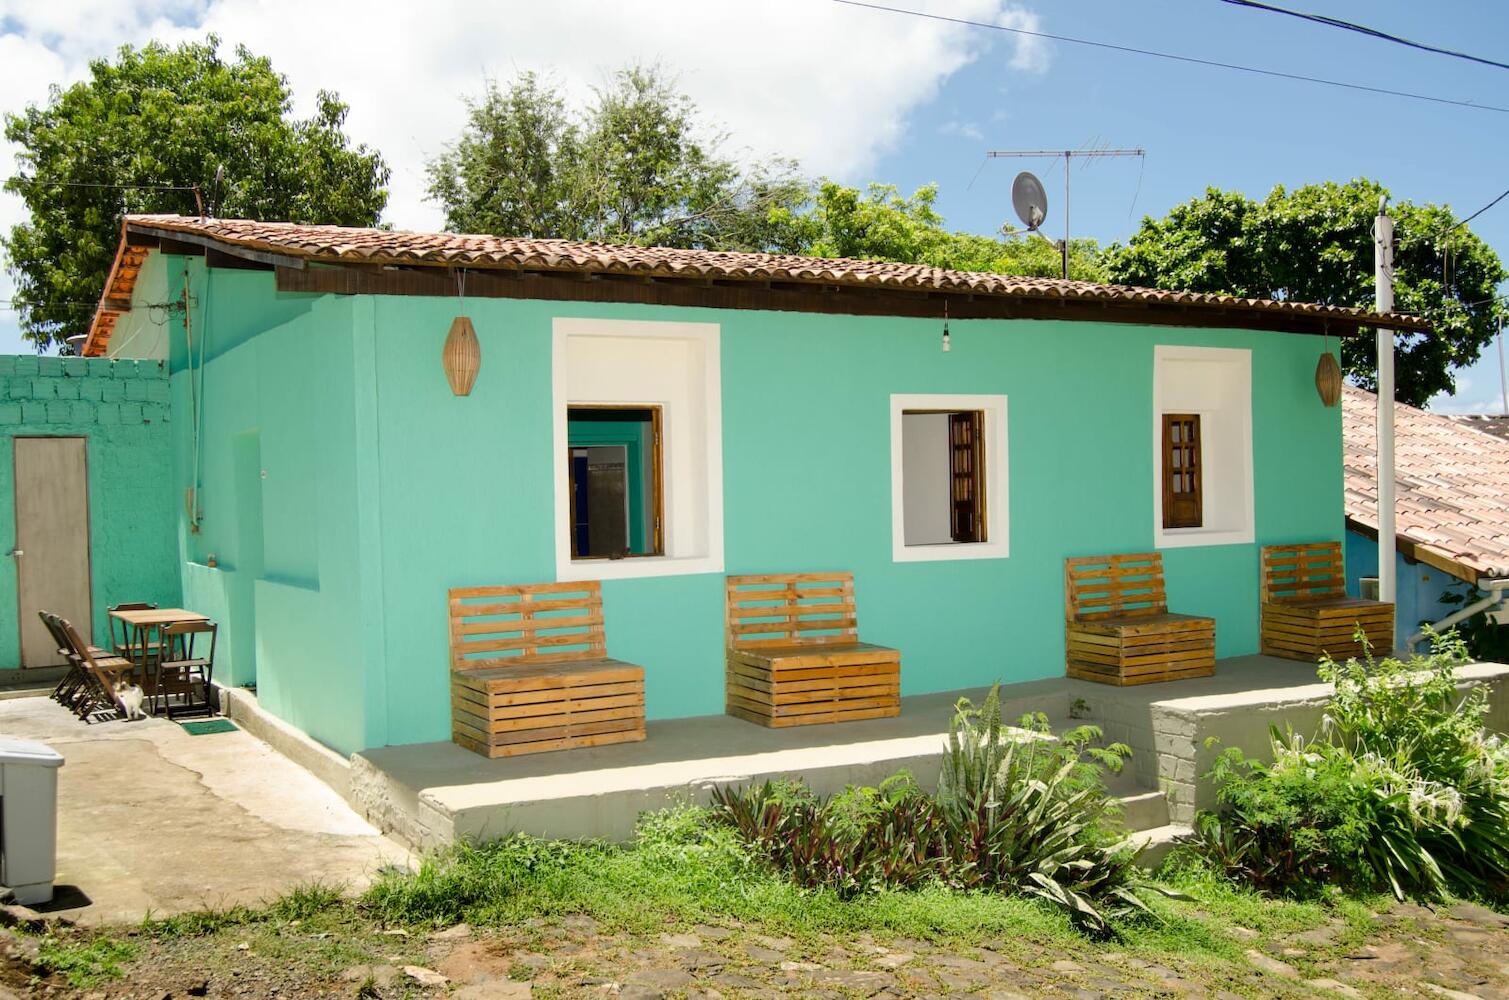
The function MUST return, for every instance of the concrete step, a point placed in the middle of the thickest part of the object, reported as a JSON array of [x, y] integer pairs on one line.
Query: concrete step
[[1143, 811], [1157, 842]]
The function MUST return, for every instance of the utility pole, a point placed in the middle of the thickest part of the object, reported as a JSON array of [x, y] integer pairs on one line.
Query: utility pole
[[1068, 158], [1503, 378], [1383, 302]]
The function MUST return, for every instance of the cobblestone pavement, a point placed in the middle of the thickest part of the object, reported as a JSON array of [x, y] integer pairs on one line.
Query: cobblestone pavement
[[1458, 953]]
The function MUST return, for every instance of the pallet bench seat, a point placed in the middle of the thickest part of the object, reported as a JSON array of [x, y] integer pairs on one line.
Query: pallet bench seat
[[794, 655], [1306, 613], [530, 671], [1118, 629]]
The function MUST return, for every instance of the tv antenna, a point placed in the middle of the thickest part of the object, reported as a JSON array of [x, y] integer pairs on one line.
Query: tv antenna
[[1068, 156]]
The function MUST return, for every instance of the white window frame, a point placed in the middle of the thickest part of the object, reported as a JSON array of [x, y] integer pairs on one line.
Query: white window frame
[[690, 547], [1226, 468], [997, 495]]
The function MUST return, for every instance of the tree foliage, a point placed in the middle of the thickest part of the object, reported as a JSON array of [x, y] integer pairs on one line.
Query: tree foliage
[[155, 117], [880, 223], [635, 165], [1315, 244], [638, 164]]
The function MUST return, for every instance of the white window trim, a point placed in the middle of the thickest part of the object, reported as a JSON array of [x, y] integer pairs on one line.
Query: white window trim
[[708, 335], [997, 497], [1176, 538]]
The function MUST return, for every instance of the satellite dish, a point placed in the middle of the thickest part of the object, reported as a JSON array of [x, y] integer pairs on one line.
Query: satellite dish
[[1029, 199]]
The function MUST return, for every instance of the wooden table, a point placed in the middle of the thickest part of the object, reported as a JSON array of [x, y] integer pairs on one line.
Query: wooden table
[[141, 623]]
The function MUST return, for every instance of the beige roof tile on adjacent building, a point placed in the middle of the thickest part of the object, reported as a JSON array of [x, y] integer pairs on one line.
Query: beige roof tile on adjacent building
[[293, 243], [1452, 485]]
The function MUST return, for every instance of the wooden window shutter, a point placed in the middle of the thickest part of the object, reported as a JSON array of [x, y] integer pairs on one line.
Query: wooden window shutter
[[967, 480], [1182, 470]]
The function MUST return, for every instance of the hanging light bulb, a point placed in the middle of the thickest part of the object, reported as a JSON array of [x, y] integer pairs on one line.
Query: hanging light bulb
[[945, 326]]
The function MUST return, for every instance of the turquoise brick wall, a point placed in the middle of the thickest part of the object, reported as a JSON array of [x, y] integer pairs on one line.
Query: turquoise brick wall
[[121, 408]]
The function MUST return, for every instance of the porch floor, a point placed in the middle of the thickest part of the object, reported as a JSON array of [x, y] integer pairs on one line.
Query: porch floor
[[432, 793]]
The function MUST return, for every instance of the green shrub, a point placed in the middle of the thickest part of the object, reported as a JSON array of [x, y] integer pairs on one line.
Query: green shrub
[[1016, 811], [1402, 789]]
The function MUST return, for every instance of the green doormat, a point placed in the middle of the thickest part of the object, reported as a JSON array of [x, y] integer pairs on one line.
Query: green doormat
[[208, 726]]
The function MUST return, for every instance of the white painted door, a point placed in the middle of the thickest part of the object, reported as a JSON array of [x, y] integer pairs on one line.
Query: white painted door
[[52, 541]]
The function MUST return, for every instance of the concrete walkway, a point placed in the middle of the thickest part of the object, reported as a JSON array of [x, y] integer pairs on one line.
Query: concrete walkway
[[153, 819]]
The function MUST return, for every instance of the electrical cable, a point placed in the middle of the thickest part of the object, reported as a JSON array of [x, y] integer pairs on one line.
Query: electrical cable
[[1362, 29], [1280, 74]]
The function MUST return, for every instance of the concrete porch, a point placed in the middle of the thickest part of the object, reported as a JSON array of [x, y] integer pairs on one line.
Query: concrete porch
[[433, 793]]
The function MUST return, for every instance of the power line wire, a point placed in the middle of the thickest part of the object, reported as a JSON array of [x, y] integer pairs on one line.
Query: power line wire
[[1132, 50], [1362, 29]]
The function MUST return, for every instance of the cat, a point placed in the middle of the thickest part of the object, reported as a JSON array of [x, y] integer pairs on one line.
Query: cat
[[131, 697]]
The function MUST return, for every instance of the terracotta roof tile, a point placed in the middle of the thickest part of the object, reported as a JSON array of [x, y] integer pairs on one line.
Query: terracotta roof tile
[[383, 246], [1452, 482]]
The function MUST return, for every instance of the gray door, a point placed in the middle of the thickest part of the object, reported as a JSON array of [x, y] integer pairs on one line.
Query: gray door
[[52, 541]]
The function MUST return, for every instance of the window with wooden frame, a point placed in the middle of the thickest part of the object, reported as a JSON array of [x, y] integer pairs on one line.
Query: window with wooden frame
[[943, 476], [616, 481], [1182, 471]]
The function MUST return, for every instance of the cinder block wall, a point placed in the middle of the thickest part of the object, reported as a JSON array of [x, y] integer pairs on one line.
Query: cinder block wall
[[121, 409]]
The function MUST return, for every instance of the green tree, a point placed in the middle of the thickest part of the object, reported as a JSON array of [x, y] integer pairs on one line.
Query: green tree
[[882, 224], [159, 117], [1315, 244], [635, 165]]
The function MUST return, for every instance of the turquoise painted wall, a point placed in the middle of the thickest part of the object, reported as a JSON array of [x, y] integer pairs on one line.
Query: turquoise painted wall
[[383, 489], [278, 496], [806, 429], [121, 409]]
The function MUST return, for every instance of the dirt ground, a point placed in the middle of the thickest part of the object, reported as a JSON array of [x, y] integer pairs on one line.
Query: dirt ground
[[1459, 954], [151, 819]]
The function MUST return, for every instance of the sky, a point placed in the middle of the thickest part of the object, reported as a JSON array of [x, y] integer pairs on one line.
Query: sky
[[863, 95]]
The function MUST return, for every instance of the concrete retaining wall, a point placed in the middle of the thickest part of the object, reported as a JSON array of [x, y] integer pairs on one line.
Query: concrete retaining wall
[[1169, 738]]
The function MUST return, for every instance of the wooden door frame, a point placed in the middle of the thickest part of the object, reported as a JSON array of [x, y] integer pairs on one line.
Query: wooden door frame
[[16, 536]]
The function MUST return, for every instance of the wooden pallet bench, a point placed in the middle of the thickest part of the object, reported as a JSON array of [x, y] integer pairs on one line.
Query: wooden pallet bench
[[794, 655], [1118, 629], [1306, 613], [530, 671]]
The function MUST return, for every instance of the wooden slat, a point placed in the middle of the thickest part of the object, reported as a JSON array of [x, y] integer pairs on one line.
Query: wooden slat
[[782, 608], [1114, 586], [530, 671]]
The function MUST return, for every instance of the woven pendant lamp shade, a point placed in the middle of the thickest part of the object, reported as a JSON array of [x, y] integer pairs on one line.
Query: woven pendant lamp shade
[[1328, 379], [461, 356]]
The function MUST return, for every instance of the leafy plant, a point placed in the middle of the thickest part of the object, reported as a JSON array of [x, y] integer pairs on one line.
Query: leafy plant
[[1402, 788], [1017, 811]]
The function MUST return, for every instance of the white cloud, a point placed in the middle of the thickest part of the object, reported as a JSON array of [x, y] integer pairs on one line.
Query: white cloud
[[834, 86], [1030, 54], [968, 130]]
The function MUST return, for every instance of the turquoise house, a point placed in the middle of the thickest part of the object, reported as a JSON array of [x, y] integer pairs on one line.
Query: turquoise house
[[656, 419]]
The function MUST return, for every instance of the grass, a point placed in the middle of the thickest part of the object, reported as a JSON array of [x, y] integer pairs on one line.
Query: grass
[[685, 870], [84, 963]]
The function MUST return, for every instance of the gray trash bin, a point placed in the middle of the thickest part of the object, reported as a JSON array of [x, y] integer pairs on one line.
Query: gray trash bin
[[28, 818]]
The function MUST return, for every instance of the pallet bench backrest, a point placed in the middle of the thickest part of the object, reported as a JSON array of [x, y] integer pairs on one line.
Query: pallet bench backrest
[[1119, 586], [1302, 572], [791, 609], [526, 623]]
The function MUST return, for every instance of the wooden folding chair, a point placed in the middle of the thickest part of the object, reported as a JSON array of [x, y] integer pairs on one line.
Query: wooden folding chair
[[74, 681], [101, 673], [186, 664]]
